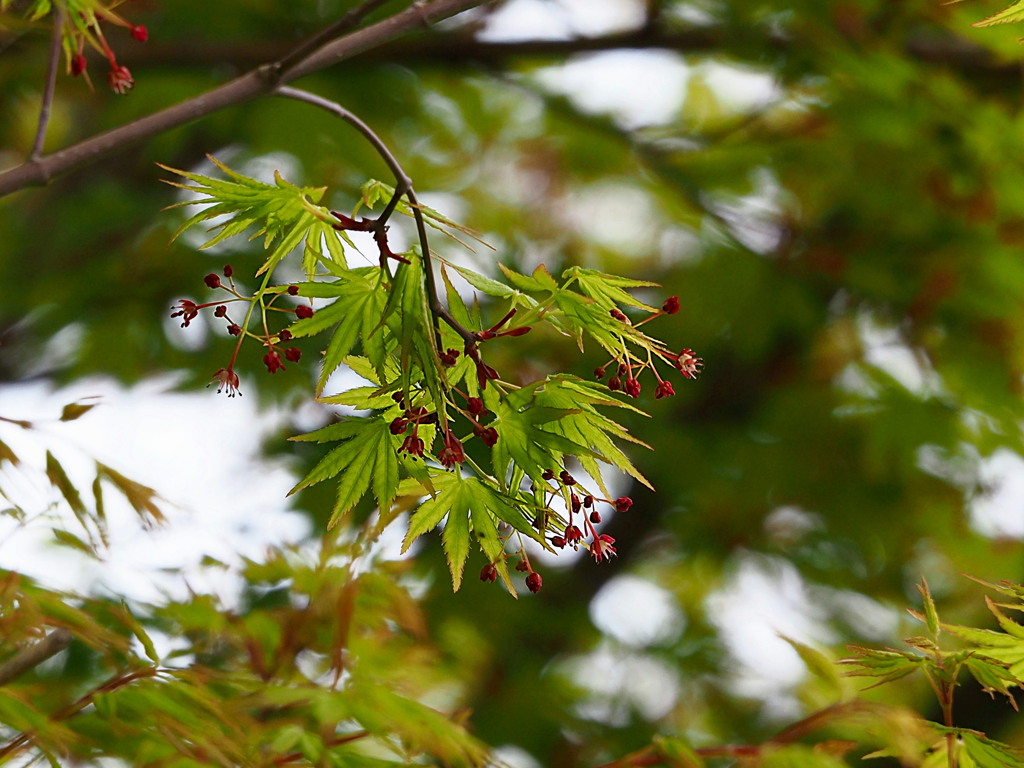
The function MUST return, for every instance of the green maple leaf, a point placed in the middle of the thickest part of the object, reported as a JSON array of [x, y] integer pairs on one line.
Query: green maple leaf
[[366, 459], [1008, 15], [359, 300], [885, 664], [282, 212], [471, 509]]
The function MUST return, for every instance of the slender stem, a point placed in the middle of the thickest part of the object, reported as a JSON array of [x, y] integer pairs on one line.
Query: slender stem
[[349, 21], [51, 82], [403, 185], [34, 655], [258, 82], [23, 739]]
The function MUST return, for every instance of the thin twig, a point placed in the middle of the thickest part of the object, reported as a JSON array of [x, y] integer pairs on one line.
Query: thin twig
[[34, 655], [347, 22], [403, 184], [258, 82], [51, 82], [23, 739]]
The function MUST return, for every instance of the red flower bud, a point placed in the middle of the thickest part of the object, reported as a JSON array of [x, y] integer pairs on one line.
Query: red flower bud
[[212, 280], [489, 573], [595, 517], [140, 33], [566, 478], [548, 474], [489, 437], [273, 361], [293, 354], [234, 330], [614, 384], [588, 501], [77, 64], [293, 290], [623, 503], [632, 387], [618, 315], [534, 582], [558, 541], [671, 305], [452, 452], [220, 311], [303, 312], [398, 426], [575, 502], [284, 335], [475, 406], [522, 566], [120, 79], [228, 271], [599, 373], [664, 389]]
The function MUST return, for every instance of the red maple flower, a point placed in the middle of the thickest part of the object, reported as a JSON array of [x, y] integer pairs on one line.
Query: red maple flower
[[602, 548], [452, 452], [273, 361], [689, 364], [187, 311], [120, 78], [664, 389], [413, 445], [226, 378], [534, 582]]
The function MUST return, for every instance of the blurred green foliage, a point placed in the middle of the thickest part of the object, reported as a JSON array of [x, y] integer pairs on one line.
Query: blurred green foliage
[[846, 246]]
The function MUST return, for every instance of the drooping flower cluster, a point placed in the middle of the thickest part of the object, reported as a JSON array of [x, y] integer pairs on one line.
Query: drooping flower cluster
[[276, 354], [87, 29], [627, 368], [577, 528]]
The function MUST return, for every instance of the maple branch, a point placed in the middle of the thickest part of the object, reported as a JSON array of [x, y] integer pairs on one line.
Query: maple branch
[[34, 655], [51, 82], [258, 82], [403, 186]]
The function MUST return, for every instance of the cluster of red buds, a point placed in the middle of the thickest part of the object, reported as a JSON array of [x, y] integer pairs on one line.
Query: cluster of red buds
[[601, 545], [533, 579], [582, 504], [226, 378], [412, 417], [119, 77], [627, 369]]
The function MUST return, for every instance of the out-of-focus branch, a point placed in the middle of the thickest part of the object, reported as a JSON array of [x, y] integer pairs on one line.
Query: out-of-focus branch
[[258, 82], [34, 655], [51, 82], [459, 48]]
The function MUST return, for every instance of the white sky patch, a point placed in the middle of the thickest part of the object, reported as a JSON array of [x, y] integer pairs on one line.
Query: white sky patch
[[764, 599], [562, 19], [511, 756], [999, 512], [201, 452], [616, 215], [621, 682], [738, 88], [638, 88], [636, 612]]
